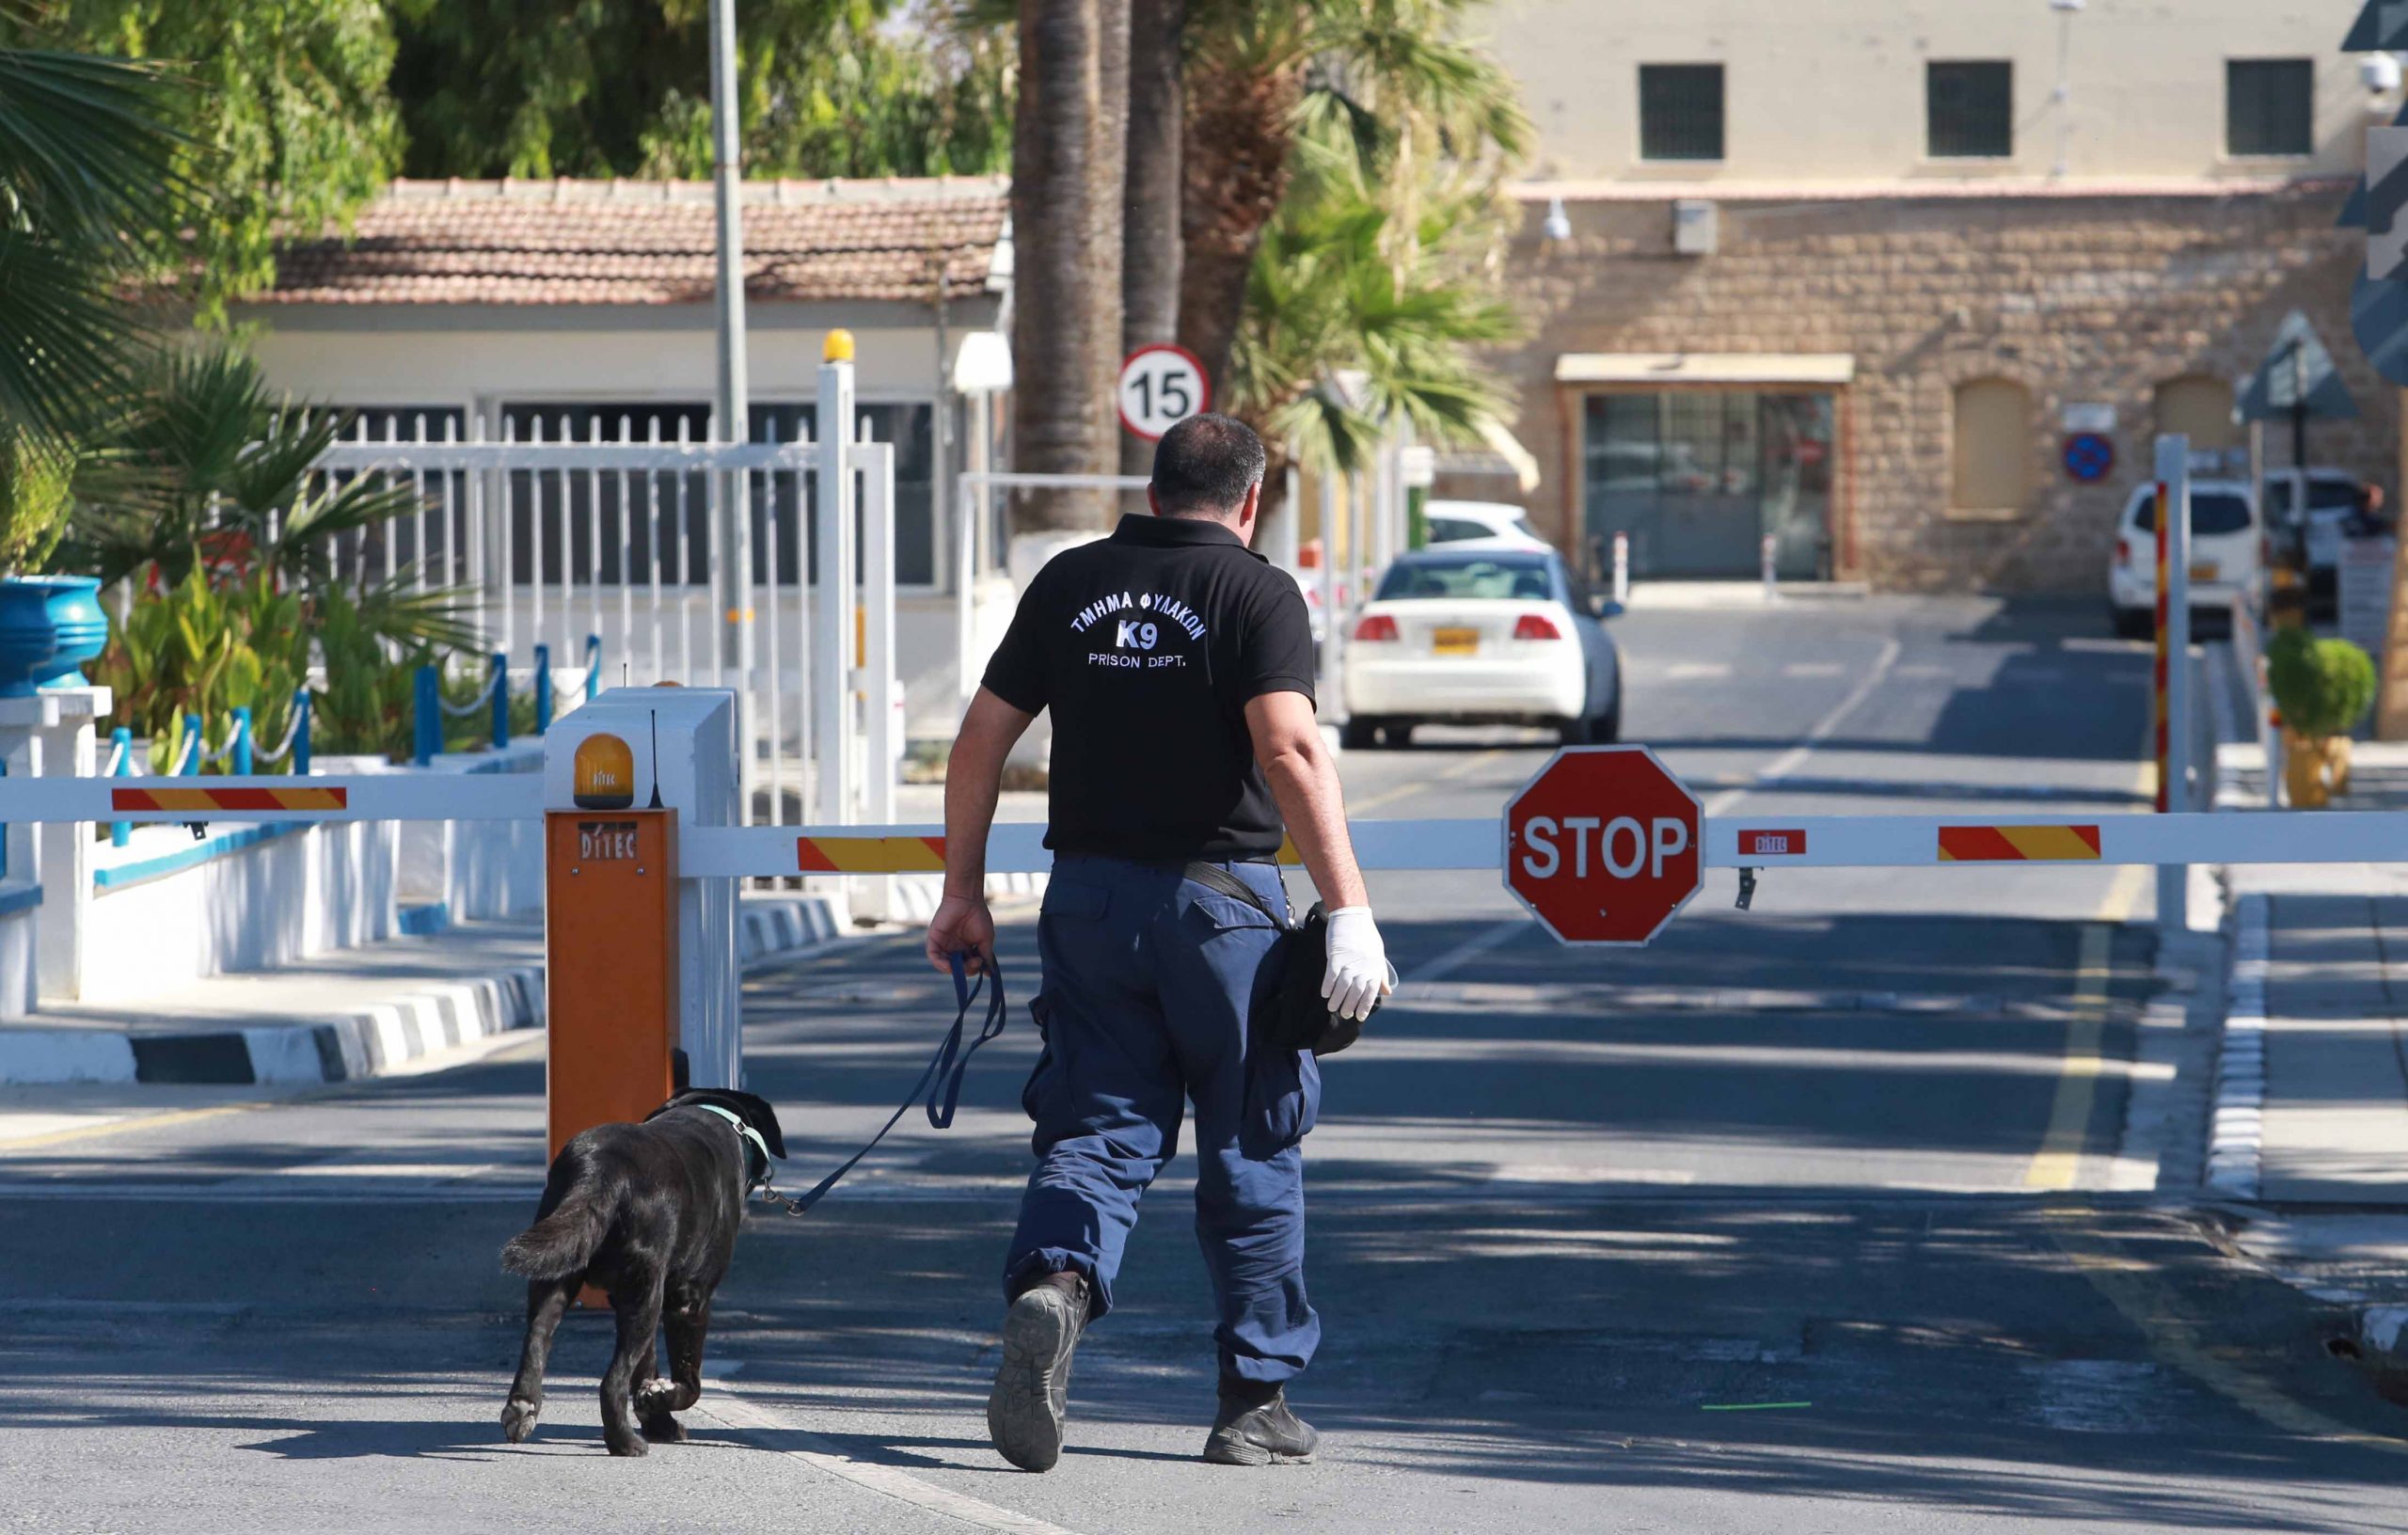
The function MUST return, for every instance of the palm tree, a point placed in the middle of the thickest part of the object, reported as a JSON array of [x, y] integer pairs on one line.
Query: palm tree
[[1389, 74], [214, 471], [1149, 244], [1066, 185], [1345, 283], [89, 198]]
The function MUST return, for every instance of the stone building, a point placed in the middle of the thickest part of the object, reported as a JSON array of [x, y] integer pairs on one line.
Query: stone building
[[1848, 273]]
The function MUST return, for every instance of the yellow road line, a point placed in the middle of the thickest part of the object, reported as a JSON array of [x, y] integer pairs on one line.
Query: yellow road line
[[2058, 1165], [2153, 1306], [119, 1127], [1406, 791]]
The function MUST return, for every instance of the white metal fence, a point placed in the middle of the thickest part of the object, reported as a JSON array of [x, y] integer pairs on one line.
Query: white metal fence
[[552, 537]]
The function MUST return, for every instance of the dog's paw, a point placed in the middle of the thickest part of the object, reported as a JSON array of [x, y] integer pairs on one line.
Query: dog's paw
[[656, 1397], [629, 1446], [519, 1419], [664, 1430]]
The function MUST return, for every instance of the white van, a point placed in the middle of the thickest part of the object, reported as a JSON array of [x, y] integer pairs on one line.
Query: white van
[[2228, 551]]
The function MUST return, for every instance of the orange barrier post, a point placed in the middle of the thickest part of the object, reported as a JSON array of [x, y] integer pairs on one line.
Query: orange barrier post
[[609, 950]]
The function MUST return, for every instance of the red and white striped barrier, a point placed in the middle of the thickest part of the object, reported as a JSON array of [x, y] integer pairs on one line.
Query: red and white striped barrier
[[1437, 846], [401, 797], [1859, 842]]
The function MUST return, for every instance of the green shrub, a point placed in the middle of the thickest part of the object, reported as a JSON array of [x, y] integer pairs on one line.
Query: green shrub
[[35, 497], [200, 648], [2323, 687]]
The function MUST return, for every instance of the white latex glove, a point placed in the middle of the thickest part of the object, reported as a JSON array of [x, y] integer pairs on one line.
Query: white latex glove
[[1359, 972]]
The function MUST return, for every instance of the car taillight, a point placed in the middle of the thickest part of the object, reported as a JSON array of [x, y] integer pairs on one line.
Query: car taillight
[[1536, 627], [1376, 627], [2123, 551]]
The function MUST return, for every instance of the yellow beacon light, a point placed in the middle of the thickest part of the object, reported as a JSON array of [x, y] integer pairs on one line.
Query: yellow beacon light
[[605, 773], [839, 347]]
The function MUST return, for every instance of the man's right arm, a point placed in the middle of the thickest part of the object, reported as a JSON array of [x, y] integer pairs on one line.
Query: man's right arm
[[973, 780]]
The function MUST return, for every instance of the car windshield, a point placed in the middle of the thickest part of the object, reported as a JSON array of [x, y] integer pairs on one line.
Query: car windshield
[[1468, 575], [2322, 495], [2212, 512]]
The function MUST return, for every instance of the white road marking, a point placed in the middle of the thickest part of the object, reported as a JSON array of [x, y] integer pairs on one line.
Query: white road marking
[[1470, 950], [1541, 1172], [260, 1192], [1813, 669], [1696, 671], [1791, 760], [776, 1433]]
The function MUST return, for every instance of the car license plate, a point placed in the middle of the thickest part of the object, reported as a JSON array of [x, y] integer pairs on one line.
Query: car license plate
[[1454, 641], [2205, 570]]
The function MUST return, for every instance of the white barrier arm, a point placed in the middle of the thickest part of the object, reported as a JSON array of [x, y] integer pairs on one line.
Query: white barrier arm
[[1870, 841], [1018, 848], [401, 797], [1861, 842]]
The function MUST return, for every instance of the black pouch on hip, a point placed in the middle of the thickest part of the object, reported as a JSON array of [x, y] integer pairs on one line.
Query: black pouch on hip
[[1298, 1017]]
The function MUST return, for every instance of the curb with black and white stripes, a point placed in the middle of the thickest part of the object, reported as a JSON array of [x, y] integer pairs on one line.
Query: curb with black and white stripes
[[2237, 1131], [367, 1043]]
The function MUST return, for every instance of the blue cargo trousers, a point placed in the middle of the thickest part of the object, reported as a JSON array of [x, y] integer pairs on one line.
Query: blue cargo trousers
[[1149, 979]]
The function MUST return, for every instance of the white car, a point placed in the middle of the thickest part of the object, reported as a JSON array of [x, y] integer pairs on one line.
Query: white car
[[2227, 552], [1481, 637], [1480, 525]]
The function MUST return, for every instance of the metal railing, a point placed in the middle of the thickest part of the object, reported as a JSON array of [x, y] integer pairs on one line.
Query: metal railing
[[613, 539]]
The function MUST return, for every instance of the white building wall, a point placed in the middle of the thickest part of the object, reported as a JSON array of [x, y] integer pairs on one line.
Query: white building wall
[[1833, 90], [479, 356]]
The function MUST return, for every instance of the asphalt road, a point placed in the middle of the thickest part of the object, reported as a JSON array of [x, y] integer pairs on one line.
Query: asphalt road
[[1812, 1217]]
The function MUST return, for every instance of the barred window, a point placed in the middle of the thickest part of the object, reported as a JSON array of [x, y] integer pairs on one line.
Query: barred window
[[2270, 106], [1680, 111], [1971, 110]]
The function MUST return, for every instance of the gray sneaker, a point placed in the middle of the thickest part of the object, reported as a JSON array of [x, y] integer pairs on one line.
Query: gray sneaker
[[1032, 1395], [1260, 1434]]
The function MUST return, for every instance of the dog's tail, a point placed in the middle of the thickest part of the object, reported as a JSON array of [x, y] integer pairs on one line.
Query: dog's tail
[[563, 1243]]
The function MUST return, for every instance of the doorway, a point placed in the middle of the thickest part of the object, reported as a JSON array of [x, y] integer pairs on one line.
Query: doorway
[[1698, 478]]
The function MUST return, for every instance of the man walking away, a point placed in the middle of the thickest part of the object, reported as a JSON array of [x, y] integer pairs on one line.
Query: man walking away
[[1178, 665]]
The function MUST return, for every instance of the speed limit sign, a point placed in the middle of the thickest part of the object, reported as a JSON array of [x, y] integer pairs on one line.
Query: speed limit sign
[[1162, 385]]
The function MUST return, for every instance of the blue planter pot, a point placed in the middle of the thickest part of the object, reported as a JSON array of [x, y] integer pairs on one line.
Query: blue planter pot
[[50, 625]]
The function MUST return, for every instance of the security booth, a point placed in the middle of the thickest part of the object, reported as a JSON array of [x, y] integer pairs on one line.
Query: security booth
[[640, 963]]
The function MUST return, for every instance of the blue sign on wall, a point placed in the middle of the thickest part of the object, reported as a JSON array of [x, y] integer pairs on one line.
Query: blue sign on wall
[[2090, 456]]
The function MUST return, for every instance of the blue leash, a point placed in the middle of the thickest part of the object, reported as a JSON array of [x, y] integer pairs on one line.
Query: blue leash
[[940, 1081]]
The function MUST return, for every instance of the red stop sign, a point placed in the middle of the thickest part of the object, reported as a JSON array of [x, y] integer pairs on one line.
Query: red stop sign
[[1604, 845]]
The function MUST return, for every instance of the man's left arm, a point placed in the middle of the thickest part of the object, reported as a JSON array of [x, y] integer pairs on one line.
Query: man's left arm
[[1276, 670]]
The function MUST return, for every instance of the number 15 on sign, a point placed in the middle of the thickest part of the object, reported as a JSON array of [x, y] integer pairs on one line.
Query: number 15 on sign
[[1162, 385]]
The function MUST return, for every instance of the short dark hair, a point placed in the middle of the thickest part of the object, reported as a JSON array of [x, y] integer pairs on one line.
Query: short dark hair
[[1205, 464]]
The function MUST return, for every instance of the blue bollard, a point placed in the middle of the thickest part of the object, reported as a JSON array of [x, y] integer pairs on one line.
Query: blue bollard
[[301, 733], [543, 689], [121, 753], [190, 764], [500, 701], [428, 716], [243, 742]]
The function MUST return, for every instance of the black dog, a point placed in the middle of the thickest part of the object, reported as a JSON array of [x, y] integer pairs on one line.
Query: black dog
[[649, 1213]]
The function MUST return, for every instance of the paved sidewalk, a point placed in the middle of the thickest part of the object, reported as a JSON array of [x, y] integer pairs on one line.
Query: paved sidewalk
[[2310, 1120], [350, 1013]]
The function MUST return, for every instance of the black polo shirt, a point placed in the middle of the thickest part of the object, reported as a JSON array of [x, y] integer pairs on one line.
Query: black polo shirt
[[1146, 646]]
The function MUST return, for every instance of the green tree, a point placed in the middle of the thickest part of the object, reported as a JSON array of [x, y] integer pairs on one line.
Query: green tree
[[1348, 282], [285, 117], [1388, 79], [622, 88]]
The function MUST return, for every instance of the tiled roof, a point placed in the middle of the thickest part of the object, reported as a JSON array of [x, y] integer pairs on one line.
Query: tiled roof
[[650, 243]]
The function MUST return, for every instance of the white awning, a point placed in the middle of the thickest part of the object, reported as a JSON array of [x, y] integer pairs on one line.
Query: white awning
[[1705, 368]]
